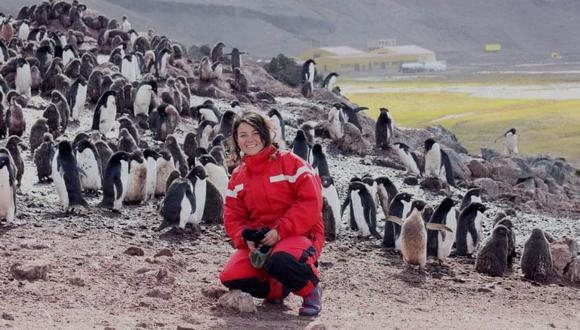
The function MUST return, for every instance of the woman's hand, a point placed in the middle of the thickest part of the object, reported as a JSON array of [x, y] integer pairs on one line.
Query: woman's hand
[[271, 238], [251, 245]]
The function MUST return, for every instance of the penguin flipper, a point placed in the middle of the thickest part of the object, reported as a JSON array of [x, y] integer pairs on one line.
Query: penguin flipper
[[394, 219], [344, 205], [118, 187], [438, 226]]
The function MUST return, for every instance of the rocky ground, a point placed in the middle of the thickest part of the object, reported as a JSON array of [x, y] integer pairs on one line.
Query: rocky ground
[[104, 270]]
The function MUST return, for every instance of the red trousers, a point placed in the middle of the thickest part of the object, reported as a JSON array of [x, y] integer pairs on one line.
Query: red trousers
[[291, 267]]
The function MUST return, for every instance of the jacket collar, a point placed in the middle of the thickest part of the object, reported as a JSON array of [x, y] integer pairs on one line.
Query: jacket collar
[[259, 160]]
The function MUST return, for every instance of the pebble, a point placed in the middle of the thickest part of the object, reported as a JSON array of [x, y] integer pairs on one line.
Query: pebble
[[134, 251]]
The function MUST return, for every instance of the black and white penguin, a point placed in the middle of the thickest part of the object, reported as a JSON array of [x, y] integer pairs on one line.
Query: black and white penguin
[[206, 111], [471, 196], [208, 200], [309, 71], [236, 59], [128, 68], [13, 146], [190, 146], [105, 152], [165, 166], [164, 121], [409, 158], [336, 122], [301, 147], [126, 141], [43, 156], [205, 132], [150, 156], [105, 112], [235, 106], [179, 205], [319, 163], [511, 142], [142, 102], [386, 192], [363, 213], [351, 114], [23, 79], [61, 105], [439, 243], [125, 25], [66, 177], [400, 207], [24, 30], [126, 123], [162, 63], [7, 187], [68, 54], [432, 158], [384, 129], [279, 128], [217, 52], [4, 55], [446, 172], [216, 173], [330, 194], [177, 154], [469, 229], [89, 164], [372, 186], [115, 181], [330, 81], [309, 131], [137, 179], [77, 97], [226, 125]]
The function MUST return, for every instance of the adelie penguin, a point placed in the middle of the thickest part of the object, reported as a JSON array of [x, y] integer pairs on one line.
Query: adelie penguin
[[15, 120], [279, 128], [330, 81], [469, 229], [236, 59], [13, 146], [384, 129], [439, 243], [437, 163], [177, 154], [150, 156], [227, 123], [336, 122], [363, 213], [115, 181], [7, 187], [301, 147], [319, 163], [511, 142], [142, 102], [386, 192], [179, 205], [126, 141], [537, 257], [37, 132], [330, 195], [43, 158], [205, 132], [23, 79], [163, 121], [137, 179], [61, 105], [400, 208], [66, 177], [165, 166], [492, 257], [351, 114], [471, 196], [216, 174], [105, 112], [89, 163], [209, 202], [77, 97]]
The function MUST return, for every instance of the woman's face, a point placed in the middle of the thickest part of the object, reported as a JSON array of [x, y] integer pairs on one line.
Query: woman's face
[[249, 140]]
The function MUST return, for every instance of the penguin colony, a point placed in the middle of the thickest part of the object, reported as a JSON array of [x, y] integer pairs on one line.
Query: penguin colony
[[135, 93]]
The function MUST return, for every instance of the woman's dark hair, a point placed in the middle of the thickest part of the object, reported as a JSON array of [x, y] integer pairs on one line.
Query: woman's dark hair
[[258, 122]]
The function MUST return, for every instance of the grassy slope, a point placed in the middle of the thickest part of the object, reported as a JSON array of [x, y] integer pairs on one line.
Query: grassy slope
[[545, 126]]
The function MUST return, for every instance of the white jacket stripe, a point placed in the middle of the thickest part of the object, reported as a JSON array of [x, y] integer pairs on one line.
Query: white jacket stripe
[[234, 193], [290, 178]]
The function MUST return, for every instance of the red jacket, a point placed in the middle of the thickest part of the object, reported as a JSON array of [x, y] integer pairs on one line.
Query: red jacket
[[275, 189]]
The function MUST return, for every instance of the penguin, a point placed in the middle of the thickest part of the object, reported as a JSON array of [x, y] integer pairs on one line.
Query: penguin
[[12, 145], [4, 55], [125, 25], [309, 131], [43, 156], [68, 54], [164, 121], [372, 186], [216, 174], [469, 229], [77, 97], [105, 112], [511, 142], [172, 176], [128, 68], [409, 158], [235, 106], [150, 156], [236, 59], [432, 158], [89, 164], [351, 114], [414, 236], [177, 154], [309, 71], [217, 52], [65, 175], [330, 81], [363, 216], [386, 192], [493, 254], [189, 146], [330, 195], [439, 243], [7, 187], [537, 257], [209, 202], [126, 123], [126, 142], [204, 134], [319, 163], [301, 147], [179, 205], [52, 120], [3, 125], [115, 181], [400, 207], [23, 79], [142, 101], [330, 231], [207, 111], [137, 179], [240, 81], [471, 196], [279, 128], [446, 170], [162, 63], [226, 125], [511, 255], [37, 132], [336, 123], [384, 129], [105, 152], [24, 30], [61, 105], [165, 166], [15, 119]]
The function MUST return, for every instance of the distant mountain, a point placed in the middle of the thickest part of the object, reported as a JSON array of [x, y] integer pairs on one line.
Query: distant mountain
[[455, 29]]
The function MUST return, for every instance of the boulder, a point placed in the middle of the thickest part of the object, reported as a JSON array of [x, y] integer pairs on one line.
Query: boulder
[[238, 301], [489, 154], [562, 254], [488, 187], [353, 141], [479, 169], [573, 271], [29, 272], [434, 185], [458, 164], [505, 170]]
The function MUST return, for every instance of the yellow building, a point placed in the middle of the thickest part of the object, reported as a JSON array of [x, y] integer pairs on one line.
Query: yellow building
[[345, 59]]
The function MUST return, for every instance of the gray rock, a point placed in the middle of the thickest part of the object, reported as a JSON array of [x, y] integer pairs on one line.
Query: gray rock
[[561, 255], [29, 272], [488, 187], [353, 141], [7, 317], [156, 293], [238, 301], [479, 169], [489, 154], [134, 251], [505, 170], [573, 271], [458, 164]]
